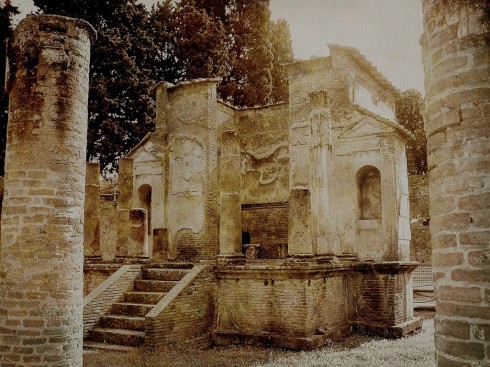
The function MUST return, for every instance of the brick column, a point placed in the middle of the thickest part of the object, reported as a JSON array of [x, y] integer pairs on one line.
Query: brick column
[[230, 230], [41, 262], [457, 59], [91, 226]]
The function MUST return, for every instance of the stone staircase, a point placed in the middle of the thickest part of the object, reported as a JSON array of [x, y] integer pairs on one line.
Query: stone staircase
[[123, 328]]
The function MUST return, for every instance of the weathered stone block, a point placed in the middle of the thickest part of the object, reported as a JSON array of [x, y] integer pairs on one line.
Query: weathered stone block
[[447, 259], [460, 294], [465, 350]]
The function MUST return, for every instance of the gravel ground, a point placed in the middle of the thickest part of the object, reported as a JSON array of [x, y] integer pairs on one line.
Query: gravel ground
[[354, 351], [412, 351]]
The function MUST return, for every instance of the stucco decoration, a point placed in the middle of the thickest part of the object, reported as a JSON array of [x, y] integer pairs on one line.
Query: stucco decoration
[[187, 170], [265, 164]]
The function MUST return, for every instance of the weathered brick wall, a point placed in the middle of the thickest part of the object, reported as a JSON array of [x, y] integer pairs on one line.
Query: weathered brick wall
[[185, 317], [267, 225], [41, 248], [249, 305], [420, 247], [100, 300], [291, 304], [329, 290], [382, 297], [277, 303], [96, 274], [457, 65]]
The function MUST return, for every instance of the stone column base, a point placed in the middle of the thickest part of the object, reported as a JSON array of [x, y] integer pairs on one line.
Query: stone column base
[[125, 259], [281, 341], [397, 331], [325, 259], [231, 259], [348, 257]]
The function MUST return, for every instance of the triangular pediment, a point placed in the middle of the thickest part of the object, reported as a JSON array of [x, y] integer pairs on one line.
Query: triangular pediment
[[144, 154], [366, 126]]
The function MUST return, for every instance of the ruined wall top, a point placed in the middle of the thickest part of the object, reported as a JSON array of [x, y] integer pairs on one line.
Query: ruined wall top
[[168, 95], [55, 23]]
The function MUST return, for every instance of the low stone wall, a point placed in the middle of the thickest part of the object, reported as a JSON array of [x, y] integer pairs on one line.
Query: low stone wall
[[185, 317], [303, 305], [383, 294], [283, 306], [99, 301], [96, 274]]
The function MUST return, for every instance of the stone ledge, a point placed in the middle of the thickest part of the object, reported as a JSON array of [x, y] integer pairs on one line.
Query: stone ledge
[[101, 267], [282, 341], [395, 332], [291, 269]]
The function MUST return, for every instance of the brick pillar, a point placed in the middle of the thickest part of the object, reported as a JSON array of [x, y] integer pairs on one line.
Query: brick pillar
[[124, 201], [138, 233], [230, 230], [41, 262], [91, 226], [456, 60]]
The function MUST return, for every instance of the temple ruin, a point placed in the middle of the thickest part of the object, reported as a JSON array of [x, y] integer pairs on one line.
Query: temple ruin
[[284, 225]]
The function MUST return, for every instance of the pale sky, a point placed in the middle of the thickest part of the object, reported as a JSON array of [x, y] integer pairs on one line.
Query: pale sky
[[387, 32]]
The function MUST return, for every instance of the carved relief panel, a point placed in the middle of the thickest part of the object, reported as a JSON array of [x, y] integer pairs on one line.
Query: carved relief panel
[[187, 166]]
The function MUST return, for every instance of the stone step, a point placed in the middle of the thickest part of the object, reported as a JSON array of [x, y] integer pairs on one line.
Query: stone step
[[129, 338], [90, 345], [131, 309], [146, 285], [136, 323], [164, 274], [143, 297], [172, 265]]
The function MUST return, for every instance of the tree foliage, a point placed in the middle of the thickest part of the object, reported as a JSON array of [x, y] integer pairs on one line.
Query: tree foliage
[[200, 42], [136, 48], [282, 51], [120, 108], [249, 82], [408, 115], [164, 65]]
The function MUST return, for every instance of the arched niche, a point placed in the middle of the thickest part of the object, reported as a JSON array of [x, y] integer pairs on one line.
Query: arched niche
[[368, 180]]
